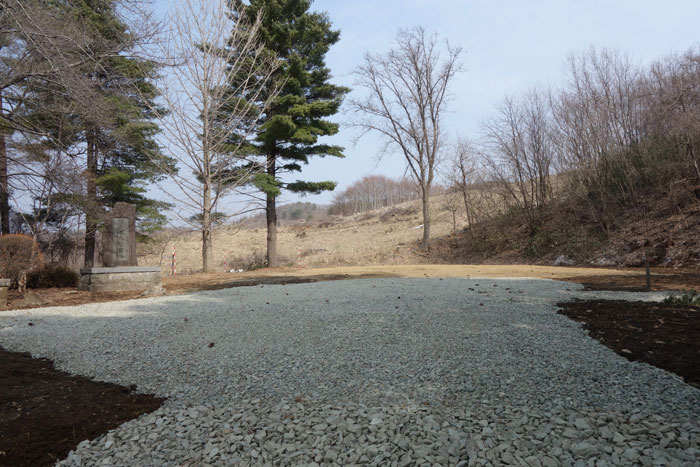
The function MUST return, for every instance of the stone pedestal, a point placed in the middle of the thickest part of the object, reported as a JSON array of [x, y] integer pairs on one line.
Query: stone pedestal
[[121, 273], [119, 279], [4, 286]]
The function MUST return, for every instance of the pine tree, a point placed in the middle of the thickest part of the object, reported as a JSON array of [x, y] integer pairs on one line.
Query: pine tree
[[113, 100], [92, 98], [288, 133]]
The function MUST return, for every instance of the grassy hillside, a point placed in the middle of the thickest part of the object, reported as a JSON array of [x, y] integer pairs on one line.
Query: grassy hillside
[[668, 233], [386, 236], [288, 214]]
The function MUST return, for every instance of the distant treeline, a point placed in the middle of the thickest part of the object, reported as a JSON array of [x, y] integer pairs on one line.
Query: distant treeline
[[287, 214], [373, 192]]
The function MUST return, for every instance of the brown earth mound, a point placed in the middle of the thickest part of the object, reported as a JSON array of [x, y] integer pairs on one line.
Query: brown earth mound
[[660, 334], [45, 413]]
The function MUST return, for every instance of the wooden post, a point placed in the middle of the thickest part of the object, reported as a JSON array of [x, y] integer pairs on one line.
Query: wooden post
[[648, 271]]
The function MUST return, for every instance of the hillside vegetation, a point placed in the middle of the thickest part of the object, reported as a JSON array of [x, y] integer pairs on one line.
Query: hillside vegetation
[[668, 234], [391, 236], [384, 236], [288, 214]]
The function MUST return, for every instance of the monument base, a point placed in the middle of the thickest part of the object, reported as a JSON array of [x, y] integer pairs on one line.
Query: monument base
[[4, 286], [119, 279]]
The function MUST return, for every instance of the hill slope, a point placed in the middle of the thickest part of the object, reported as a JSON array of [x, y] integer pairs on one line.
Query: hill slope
[[287, 214], [386, 236], [391, 236]]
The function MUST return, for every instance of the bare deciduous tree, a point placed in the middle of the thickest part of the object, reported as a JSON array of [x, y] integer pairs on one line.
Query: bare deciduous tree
[[407, 92], [208, 123], [452, 202], [520, 152], [599, 131], [373, 192], [462, 175], [673, 114]]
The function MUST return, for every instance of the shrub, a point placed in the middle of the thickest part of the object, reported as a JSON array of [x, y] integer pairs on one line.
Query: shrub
[[246, 263], [398, 211], [19, 254], [53, 275], [688, 298], [250, 263]]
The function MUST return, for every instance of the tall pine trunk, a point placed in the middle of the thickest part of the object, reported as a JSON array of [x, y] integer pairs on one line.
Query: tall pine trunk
[[207, 247], [91, 198], [426, 217], [4, 185], [271, 215]]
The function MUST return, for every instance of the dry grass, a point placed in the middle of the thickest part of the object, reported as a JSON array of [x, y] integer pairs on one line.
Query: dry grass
[[363, 239]]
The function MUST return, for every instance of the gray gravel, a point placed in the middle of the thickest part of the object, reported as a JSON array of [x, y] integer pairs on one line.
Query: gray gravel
[[383, 371]]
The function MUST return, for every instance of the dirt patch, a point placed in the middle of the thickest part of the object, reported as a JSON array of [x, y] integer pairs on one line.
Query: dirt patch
[[661, 279], [44, 413], [67, 297], [201, 281], [664, 335], [593, 278], [195, 282]]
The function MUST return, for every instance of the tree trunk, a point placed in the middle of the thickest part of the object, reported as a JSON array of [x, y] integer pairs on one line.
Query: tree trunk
[[4, 185], [207, 247], [426, 218], [91, 195], [271, 214], [471, 221]]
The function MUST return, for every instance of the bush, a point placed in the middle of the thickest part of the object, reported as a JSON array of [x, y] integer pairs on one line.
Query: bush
[[19, 254], [250, 263], [245, 263], [53, 275], [398, 211], [689, 298]]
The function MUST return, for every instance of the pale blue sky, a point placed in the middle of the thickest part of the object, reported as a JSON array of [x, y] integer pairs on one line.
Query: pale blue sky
[[508, 45]]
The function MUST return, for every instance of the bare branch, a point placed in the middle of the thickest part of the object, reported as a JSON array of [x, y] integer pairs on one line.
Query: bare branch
[[205, 122], [407, 89]]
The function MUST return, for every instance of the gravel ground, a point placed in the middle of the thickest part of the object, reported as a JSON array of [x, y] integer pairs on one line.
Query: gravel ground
[[380, 371]]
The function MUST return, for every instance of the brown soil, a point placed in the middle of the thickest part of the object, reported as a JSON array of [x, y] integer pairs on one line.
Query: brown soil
[[67, 297], [593, 278], [662, 228], [664, 335], [661, 279], [217, 281], [44, 413]]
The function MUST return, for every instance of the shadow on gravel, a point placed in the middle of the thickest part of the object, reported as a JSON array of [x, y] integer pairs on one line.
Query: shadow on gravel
[[664, 335], [45, 413], [270, 280]]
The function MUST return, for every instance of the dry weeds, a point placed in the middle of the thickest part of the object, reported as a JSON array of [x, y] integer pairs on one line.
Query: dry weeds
[[356, 240]]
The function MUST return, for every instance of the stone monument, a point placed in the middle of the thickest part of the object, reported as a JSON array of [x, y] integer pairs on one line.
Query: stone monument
[[121, 271], [119, 237]]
